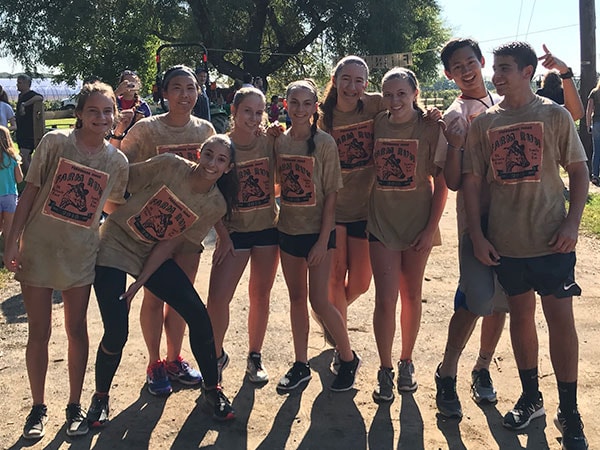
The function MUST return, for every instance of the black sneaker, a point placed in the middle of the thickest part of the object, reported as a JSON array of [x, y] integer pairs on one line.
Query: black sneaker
[[384, 392], [34, 424], [97, 415], [446, 398], [571, 429], [344, 381], [524, 412], [217, 404], [77, 424], [482, 388], [299, 373]]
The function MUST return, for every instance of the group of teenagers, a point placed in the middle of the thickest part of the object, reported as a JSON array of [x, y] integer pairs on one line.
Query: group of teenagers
[[361, 180]]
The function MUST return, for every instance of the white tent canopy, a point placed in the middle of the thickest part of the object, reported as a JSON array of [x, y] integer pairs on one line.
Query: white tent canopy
[[44, 86]]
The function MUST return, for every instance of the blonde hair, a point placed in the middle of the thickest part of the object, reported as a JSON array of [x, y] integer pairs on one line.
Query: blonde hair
[[7, 147]]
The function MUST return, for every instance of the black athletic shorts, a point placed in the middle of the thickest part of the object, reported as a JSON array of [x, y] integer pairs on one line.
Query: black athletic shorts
[[356, 229], [547, 275], [249, 239], [299, 245]]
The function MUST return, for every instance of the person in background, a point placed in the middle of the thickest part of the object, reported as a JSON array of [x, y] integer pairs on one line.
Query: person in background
[[7, 114], [552, 88], [248, 80], [202, 106], [592, 120], [129, 102], [54, 241], [259, 84], [274, 109], [10, 175], [25, 133]]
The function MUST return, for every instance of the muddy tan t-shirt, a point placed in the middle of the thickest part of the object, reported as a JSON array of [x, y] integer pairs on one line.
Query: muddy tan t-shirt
[[60, 239], [353, 134], [518, 152], [152, 136], [305, 181], [162, 206], [256, 209], [406, 157]]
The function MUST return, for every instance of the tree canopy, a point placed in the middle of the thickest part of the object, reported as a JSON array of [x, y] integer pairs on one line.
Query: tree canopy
[[262, 37]]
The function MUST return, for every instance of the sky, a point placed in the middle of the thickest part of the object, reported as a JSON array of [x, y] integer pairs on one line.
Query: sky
[[492, 23]]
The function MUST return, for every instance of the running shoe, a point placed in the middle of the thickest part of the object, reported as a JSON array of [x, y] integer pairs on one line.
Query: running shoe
[[180, 370], [77, 424], [524, 412], [217, 404], [34, 424], [384, 392], [298, 373], [344, 381], [482, 389], [406, 376], [571, 428], [97, 414], [157, 379], [255, 369], [446, 398]]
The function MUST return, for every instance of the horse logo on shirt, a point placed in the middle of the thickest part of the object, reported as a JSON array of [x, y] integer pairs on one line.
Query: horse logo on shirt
[[355, 151], [76, 196], [515, 156], [251, 188], [290, 183], [391, 168], [159, 223]]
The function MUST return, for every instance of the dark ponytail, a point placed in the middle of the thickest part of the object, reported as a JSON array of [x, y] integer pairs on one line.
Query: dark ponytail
[[310, 85]]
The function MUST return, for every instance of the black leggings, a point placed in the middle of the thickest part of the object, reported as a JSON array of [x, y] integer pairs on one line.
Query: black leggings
[[168, 283]]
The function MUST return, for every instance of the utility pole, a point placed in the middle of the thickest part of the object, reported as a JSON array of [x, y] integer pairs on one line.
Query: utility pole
[[587, 38]]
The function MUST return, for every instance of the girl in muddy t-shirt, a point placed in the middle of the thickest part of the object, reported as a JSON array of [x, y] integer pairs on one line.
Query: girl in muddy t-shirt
[[249, 235], [174, 203], [181, 133], [308, 171], [54, 241], [405, 207]]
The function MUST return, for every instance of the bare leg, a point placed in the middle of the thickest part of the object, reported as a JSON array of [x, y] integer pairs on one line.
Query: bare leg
[[76, 304], [522, 330], [295, 271], [411, 285], [317, 293], [491, 331], [224, 279], [386, 269], [564, 344], [263, 267], [38, 306], [460, 330]]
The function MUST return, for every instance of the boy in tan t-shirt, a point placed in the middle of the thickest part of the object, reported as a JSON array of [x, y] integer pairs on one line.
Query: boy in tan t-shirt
[[514, 146]]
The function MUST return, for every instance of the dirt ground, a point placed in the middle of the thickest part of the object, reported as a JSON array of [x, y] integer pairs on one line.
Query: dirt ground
[[314, 418]]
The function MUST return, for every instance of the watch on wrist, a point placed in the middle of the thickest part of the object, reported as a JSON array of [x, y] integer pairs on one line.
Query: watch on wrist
[[568, 74]]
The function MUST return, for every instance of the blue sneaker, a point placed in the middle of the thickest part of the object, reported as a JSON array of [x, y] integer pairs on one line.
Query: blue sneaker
[[157, 379], [180, 370]]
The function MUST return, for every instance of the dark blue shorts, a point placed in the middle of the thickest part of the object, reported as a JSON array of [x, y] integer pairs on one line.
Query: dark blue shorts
[[547, 275], [247, 240], [356, 229], [299, 245]]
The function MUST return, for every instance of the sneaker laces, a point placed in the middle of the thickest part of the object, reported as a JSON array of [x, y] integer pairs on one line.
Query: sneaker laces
[[75, 412], [256, 360], [448, 388], [157, 371], [36, 414], [483, 378]]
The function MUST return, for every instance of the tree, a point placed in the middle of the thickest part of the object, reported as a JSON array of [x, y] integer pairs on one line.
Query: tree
[[262, 37]]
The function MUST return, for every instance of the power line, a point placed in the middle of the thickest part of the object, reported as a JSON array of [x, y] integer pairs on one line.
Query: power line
[[530, 17]]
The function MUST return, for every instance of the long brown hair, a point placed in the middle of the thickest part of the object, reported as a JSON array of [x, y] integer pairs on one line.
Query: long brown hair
[[330, 94], [7, 147]]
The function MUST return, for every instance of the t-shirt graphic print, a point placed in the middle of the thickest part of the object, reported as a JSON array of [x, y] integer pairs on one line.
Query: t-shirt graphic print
[[355, 145], [395, 162], [255, 190], [517, 152], [75, 193], [297, 187], [164, 216]]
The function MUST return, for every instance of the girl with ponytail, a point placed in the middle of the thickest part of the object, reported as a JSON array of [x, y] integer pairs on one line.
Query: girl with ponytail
[[309, 174]]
